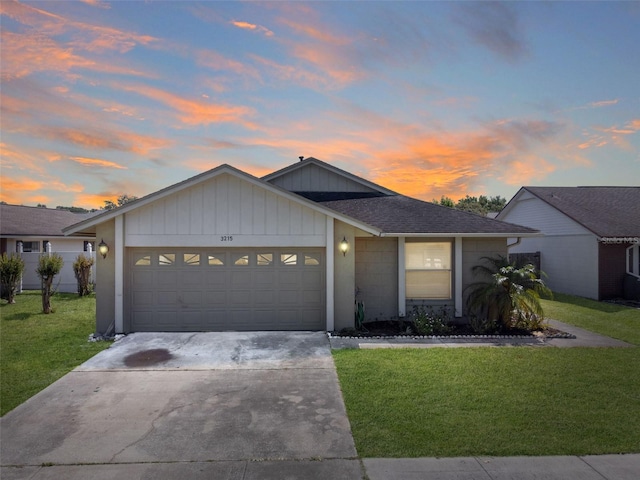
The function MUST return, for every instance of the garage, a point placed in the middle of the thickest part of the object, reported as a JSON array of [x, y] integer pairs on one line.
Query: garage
[[200, 289]]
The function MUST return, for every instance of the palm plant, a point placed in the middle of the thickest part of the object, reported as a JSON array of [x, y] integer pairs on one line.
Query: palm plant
[[509, 296]]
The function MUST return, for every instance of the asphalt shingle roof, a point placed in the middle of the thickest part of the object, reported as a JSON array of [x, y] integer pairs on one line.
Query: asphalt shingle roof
[[18, 220], [401, 214], [606, 211]]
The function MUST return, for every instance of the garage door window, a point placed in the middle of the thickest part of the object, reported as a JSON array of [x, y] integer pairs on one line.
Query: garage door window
[[191, 259], [240, 259], [264, 259], [288, 259], [216, 260], [166, 259], [142, 260], [311, 260]]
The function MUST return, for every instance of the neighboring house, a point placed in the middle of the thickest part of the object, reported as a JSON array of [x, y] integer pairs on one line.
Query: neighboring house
[[294, 250], [591, 237], [31, 230]]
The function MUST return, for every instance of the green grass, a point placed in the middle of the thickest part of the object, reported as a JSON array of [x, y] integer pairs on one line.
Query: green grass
[[500, 401], [37, 349], [615, 321]]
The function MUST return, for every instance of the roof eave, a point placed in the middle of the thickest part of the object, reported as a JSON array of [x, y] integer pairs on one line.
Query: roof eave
[[460, 234]]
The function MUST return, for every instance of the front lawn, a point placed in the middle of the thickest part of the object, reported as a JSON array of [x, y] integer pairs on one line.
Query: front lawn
[[37, 349], [499, 401]]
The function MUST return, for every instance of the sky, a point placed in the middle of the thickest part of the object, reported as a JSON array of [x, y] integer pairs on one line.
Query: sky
[[429, 99]]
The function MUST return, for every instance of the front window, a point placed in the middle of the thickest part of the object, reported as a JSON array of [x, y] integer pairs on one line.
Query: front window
[[428, 270]]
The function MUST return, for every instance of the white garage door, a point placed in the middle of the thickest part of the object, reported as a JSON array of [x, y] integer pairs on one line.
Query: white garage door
[[185, 290]]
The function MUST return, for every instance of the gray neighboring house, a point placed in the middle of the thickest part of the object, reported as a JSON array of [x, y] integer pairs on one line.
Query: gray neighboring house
[[29, 229], [293, 250], [591, 240]]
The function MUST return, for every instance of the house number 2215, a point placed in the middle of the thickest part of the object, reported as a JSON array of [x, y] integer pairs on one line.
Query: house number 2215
[[226, 238]]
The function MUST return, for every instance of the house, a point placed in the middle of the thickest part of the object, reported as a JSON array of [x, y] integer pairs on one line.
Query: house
[[293, 250], [30, 231], [591, 237]]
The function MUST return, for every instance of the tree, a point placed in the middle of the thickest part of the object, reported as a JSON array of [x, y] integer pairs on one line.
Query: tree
[[509, 296], [49, 265], [82, 270], [445, 201], [122, 199], [11, 268]]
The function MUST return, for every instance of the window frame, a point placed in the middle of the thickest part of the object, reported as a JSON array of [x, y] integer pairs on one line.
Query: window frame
[[427, 271]]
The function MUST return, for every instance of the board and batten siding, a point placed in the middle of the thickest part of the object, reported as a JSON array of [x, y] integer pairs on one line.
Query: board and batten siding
[[225, 211], [312, 178]]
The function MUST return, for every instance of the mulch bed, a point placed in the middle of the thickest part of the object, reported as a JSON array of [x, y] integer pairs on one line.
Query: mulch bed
[[391, 328]]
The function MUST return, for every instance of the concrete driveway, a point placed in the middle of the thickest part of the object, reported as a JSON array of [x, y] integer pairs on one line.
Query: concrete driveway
[[172, 405]]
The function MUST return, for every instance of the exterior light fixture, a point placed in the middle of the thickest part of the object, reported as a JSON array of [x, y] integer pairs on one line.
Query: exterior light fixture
[[344, 246], [103, 248]]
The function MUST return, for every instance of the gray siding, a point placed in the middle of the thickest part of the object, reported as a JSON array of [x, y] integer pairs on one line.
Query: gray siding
[[313, 178], [377, 277]]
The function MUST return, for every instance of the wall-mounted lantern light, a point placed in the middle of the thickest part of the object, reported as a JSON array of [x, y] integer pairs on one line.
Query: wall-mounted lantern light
[[103, 248], [344, 246]]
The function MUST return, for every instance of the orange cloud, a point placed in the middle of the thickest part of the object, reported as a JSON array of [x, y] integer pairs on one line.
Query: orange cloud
[[252, 27], [196, 112], [216, 61], [96, 162]]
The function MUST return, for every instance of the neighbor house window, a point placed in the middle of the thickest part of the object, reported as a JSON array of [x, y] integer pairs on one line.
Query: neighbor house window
[[428, 270], [633, 260], [30, 247]]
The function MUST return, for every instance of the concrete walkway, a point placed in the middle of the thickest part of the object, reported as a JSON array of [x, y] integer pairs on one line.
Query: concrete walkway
[[240, 406]]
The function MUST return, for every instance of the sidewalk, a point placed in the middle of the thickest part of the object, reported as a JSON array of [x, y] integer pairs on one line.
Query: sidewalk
[[590, 467]]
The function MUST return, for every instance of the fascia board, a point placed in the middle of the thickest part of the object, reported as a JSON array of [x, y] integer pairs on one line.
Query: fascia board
[[466, 235]]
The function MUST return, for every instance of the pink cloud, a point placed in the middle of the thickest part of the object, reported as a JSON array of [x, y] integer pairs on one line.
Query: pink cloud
[[253, 27]]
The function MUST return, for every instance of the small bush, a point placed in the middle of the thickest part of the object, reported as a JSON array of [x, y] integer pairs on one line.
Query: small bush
[[82, 270], [11, 268], [49, 265], [427, 321]]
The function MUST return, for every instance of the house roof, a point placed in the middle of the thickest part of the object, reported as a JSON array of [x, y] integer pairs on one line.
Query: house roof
[[384, 213], [401, 215], [605, 211], [19, 221]]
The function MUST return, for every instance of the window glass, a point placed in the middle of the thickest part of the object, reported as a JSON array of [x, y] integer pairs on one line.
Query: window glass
[[289, 259], [240, 259], [264, 259], [166, 259], [216, 259], [191, 258], [30, 247], [428, 270], [142, 260], [311, 260]]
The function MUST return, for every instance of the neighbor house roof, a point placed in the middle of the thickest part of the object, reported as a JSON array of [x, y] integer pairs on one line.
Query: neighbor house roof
[[18, 220], [605, 211], [401, 215]]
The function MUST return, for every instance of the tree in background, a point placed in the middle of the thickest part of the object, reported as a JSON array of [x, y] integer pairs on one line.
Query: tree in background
[[82, 270], [11, 268], [49, 265], [481, 205], [122, 199]]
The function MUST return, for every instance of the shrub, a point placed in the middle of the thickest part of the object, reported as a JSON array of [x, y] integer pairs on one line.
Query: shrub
[[11, 268], [427, 321], [508, 296], [49, 265], [82, 270]]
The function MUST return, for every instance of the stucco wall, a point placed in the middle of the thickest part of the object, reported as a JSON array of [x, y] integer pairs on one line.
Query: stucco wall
[[376, 275], [105, 279]]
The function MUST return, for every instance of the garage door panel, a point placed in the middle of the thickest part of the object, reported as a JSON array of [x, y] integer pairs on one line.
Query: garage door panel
[[167, 297], [212, 290]]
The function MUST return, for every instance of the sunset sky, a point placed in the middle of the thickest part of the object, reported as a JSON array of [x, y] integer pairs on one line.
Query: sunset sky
[[101, 98]]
